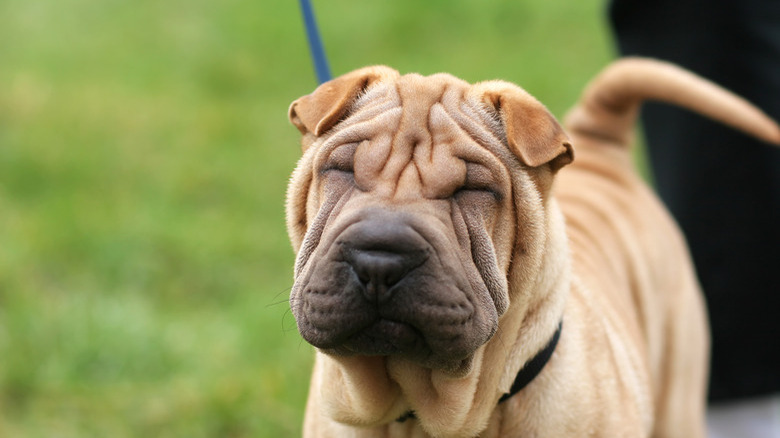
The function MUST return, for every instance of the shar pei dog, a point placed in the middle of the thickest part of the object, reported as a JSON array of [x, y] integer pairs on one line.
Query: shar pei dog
[[462, 274]]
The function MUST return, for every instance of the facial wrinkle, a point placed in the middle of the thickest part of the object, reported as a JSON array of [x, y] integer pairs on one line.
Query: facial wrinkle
[[417, 94], [443, 172]]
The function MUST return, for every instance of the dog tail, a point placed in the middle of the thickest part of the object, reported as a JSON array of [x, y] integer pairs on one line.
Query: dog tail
[[609, 105]]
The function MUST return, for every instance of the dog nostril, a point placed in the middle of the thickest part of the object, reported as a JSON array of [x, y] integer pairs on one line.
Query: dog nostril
[[379, 268]]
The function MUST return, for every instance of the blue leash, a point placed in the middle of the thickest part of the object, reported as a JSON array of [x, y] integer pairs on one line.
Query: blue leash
[[315, 43]]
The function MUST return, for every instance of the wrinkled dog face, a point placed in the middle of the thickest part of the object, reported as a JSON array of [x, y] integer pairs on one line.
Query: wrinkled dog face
[[404, 211]]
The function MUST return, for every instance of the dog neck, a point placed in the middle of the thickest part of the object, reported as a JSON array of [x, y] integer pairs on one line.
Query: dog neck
[[526, 375], [533, 367]]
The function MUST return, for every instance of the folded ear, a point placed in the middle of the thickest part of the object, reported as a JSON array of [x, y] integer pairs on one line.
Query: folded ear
[[532, 132], [322, 109]]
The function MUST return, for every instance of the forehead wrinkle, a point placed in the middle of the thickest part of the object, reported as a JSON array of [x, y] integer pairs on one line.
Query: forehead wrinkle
[[409, 135], [439, 169], [416, 94], [364, 126], [485, 129], [442, 170], [486, 146], [378, 94]]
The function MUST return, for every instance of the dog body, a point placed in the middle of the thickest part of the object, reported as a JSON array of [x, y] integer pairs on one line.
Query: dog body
[[439, 249]]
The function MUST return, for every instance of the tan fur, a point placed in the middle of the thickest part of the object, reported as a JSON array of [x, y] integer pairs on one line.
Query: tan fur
[[595, 249]]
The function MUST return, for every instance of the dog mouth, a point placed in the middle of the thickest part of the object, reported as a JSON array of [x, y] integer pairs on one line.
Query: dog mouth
[[390, 338], [383, 338], [436, 336], [415, 323]]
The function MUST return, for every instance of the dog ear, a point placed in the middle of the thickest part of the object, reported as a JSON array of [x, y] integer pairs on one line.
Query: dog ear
[[328, 104], [532, 133]]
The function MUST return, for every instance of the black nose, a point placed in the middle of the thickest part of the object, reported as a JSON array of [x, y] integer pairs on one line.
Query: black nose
[[382, 251], [378, 268]]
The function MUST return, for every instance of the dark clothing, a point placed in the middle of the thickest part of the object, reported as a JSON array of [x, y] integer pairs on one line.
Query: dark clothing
[[722, 187]]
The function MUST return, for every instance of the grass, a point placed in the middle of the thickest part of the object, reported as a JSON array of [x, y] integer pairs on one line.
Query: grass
[[144, 153]]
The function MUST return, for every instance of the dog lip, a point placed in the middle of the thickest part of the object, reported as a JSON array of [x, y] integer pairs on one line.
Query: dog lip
[[385, 337], [393, 338]]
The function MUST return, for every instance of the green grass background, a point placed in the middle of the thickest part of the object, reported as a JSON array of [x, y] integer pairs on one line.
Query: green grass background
[[144, 153]]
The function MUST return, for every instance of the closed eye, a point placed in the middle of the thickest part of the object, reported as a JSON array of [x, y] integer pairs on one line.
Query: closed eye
[[341, 159], [480, 179]]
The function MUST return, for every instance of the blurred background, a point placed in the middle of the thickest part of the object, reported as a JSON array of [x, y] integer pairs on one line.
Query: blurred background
[[144, 154]]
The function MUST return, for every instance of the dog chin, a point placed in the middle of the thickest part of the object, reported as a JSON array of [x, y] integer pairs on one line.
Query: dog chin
[[401, 341]]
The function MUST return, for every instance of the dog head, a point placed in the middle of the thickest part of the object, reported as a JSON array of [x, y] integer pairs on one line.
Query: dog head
[[417, 212]]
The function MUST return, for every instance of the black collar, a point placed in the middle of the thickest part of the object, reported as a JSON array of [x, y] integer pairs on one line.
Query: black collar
[[533, 367], [528, 373]]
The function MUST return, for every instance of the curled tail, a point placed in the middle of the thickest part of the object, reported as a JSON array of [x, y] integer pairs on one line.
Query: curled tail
[[610, 103]]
